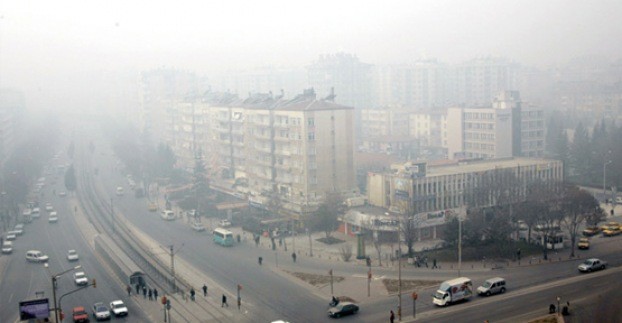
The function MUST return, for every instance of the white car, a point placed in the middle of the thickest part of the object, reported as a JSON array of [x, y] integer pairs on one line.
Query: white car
[[80, 278], [101, 312], [62, 194], [7, 247], [224, 223], [120, 191], [10, 236], [53, 218], [36, 256], [72, 255], [198, 226], [118, 308], [19, 229], [49, 207], [36, 212]]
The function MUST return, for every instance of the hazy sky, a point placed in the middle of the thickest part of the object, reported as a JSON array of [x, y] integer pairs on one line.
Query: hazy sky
[[45, 42]]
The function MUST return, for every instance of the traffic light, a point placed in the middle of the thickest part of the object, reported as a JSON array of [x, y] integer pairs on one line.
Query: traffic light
[[94, 283]]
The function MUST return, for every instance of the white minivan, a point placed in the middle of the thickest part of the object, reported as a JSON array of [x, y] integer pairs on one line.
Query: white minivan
[[167, 215], [36, 256], [492, 286]]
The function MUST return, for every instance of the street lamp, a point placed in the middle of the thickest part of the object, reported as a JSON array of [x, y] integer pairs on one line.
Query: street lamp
[[558, 299], [54, 278]]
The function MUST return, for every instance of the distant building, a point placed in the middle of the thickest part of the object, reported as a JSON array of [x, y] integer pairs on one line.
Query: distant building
[[12, 110], [478, 81], [496, 131]]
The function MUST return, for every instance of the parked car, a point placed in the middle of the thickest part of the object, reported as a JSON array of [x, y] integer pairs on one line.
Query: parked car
[[7, 247], [492, 286], [36, 256], [79, 315], [592, 264], [80, 278], [591, 231], [118, 308], [100, 312], [72, 255], [584, 243], [343, 309], [224, 223]]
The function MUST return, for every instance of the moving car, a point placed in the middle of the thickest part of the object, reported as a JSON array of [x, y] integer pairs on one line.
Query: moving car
[[7, 247], [72, 255], [592, 264], [224, 223], [53, 218], [101, 312], [492, 286], [118, 308], [611, 231], [10, 236], [120, 191], [36, 256], [152, 207], [36, 212], [80, 278], [49, 207], [343, 309], [584, 243], [197, 226], [79, 315], [19, 229], [62, 194]]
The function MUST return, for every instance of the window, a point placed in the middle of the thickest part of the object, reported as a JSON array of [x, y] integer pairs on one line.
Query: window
[[310, 122], [311, 136]]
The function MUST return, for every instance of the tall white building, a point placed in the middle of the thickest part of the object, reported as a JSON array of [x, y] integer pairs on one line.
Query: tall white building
[[478, 81]]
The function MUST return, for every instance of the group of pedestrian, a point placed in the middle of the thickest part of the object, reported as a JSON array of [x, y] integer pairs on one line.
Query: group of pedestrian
[[152, 294]]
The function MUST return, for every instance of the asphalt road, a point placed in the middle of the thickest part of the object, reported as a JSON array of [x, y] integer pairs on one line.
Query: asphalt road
[[22, 279]]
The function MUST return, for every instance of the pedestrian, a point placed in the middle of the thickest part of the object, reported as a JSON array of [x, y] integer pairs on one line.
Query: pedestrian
[[392, 317], [137, 289], [150, 293], [260, 259], [434, 263], [224, 301], [192, 294], [204, 290], [129, 290], [155, 294], [144, 291], [294, 256]]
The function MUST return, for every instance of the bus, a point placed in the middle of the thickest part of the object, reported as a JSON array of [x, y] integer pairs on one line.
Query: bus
[[223, 237]]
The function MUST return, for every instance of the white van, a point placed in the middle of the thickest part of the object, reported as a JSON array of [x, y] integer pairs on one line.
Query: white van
[[492, 286], [36, 256], [167, 215]]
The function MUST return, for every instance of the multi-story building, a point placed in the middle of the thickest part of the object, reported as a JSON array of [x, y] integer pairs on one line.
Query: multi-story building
[[342, 75], [386, 130], [432, 194], [478, 81], [495, 132], [12, 109], [429, 127]]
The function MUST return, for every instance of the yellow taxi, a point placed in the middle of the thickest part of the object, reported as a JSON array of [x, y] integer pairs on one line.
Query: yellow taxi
[[584, 243], [591, 231], [611, 231]]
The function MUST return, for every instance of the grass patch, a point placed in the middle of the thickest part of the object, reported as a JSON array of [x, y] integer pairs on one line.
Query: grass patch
[[314, 279], [490, 251], [392, 284], [548, 319]]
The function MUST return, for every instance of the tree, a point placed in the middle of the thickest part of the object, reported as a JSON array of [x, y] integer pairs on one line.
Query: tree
[[576, 205], [409, 227], [70, 179], [325, 218]]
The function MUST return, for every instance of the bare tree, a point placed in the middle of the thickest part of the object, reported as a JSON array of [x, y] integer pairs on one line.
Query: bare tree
[[346, 252], [409, 227], [325, 218], [577, 205]]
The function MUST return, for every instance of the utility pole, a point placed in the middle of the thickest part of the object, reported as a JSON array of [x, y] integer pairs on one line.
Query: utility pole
[[310, 247], [172, 266], [112, 216], [399, 270]]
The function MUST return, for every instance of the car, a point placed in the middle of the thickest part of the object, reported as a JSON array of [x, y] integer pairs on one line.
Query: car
[[49, 207], [343, 309], [36, 212], [618, 199], [80, 278], [101, 312], [198, 226], [19, 228], [53, 217], [611, 231], [120, 191], [492, 286], [584, 243], [7, 247], [613, 224], [79, 315], [118, 308], [36, 256], [72, 255], [592, 264], [62, 194], [591, 231], [10, 236], [152, 207], [224, 223]]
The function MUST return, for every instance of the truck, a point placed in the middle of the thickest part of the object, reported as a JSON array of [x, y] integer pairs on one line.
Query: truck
[[452, 291]]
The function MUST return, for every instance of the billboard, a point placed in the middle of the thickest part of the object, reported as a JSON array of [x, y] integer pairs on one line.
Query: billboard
[[34, 309]]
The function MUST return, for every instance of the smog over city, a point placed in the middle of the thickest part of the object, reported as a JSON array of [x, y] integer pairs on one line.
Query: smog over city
[[290, 161]]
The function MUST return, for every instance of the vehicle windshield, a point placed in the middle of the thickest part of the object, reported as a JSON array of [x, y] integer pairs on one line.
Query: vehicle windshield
[[79, 275], [439, 295], [588, 262], [117, 305], [487, 284], [102, 309]]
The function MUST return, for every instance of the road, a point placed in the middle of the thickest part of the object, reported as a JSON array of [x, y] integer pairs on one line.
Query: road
[[22, 280]]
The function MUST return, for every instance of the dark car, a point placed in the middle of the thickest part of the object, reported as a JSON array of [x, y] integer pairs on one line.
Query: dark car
[[343, 309]]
